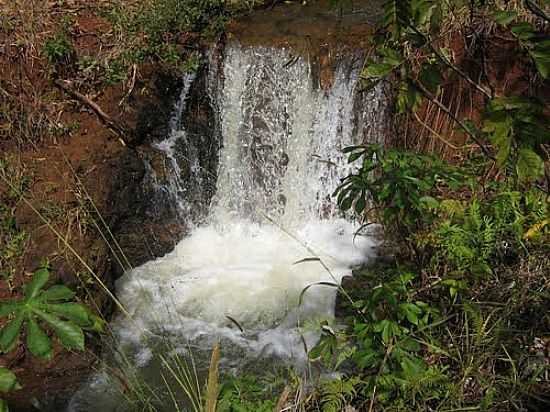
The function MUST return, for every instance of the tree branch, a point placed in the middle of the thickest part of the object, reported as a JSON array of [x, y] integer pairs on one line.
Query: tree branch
[[122, 131]]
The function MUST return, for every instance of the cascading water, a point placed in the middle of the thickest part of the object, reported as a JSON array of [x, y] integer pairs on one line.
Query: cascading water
[[281, 159]]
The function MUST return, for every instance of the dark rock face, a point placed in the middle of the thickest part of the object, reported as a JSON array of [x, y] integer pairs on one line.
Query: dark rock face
[[145, 216], [131, 209], [153, 113]]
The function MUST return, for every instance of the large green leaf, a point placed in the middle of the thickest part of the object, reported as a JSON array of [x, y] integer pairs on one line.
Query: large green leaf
[[72, 311], [39, 279], [397, 16], [10, 332], [388, 328], [57, 292], [412, 367], [37, 341], [529, 165], [523, 31], [70, 335], [422, 11], [430, 78], [411, 312], [8, 381], [501, 137], [391, 56]]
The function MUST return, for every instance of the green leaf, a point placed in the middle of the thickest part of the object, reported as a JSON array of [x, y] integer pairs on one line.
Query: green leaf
[[391, 56], [97, 324], [37, 341], [72, 311], [408, 97], [70, 335], [355, 155], [429, 202], [541, 57], [412, 367], [430, 77], [422, 11], [4, 406], [10, 332], [57, 292], [388, 328], [502, 138], [360, 204], [411, 312], [529, 166], [377, 70], [504, 17], [523, 31], [349, 149], [8, 381], [39, 279], [346, 203], [409, 345], [7, 308]]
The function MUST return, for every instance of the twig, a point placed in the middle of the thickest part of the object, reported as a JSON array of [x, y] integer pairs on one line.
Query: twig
[[131, 86], [456, 119], [382, 366], [432, 131], [120, 130], [282, 400], [533, 8]]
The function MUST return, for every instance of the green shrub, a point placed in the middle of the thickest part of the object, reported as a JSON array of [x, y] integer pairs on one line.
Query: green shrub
[[390, 341], [401, 186], [58, 48]]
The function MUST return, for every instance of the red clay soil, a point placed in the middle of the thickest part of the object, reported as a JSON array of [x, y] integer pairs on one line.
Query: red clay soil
[[309, 26]]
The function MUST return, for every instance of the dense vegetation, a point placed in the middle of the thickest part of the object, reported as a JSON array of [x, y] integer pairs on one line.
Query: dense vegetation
[[458, 320]]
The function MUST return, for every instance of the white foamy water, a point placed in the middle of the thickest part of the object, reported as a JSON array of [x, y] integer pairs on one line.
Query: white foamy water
[[245, 271]]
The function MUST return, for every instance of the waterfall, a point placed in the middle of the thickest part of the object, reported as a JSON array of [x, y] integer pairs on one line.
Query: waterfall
[[281, 159], [279, 163]]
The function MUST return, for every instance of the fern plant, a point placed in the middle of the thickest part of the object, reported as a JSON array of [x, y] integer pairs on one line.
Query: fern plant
[[468, 245], [52, 308], [336, 394], [473, 239]]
